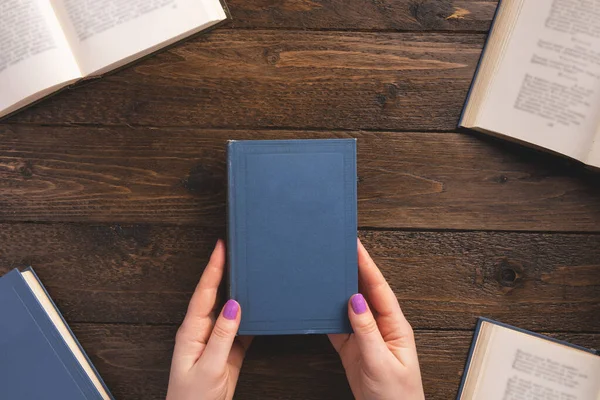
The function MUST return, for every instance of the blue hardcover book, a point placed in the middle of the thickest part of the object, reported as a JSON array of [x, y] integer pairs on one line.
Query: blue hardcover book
[[292, 229], [39, 355], [506, 362]]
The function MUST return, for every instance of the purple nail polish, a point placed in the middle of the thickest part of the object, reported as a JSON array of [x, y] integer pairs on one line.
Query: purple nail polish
[[231, 309], [359, 305]]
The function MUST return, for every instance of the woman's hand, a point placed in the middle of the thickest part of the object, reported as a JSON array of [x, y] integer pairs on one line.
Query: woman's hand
[[208, 356], [380, 357]]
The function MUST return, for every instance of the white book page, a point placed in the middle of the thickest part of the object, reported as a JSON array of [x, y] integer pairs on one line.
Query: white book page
[[522, 367], [593, 158], [34, 54], [107, 33], [547, 88]]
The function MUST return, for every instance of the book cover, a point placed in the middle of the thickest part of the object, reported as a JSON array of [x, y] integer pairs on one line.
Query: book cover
[[292, 225], [36, 361]]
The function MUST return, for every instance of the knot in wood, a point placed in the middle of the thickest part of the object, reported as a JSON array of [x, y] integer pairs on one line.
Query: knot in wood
[[272, 57], [203, 179], [432, 14], [25, 169], [502, 179], [509, 273]]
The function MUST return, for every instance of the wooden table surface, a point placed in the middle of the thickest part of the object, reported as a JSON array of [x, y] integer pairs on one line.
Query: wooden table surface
[[114, 190]]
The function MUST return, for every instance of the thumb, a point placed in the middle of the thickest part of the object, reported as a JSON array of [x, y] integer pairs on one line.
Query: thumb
[[223, 334], [366, 332]]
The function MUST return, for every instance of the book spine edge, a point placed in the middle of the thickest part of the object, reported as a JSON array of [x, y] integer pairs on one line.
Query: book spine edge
[[354, 158], [74, 338], [469, 358], [477, 67], [231, 275]]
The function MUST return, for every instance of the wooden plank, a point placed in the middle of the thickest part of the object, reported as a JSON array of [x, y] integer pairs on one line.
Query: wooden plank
[[403, 15], [444, 280], [261, 78], [409, 180], [134, 361]]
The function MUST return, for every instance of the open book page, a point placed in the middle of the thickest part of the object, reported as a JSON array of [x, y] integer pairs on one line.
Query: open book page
[[547, 88], [520, 366], [105, 34], [34, 55]]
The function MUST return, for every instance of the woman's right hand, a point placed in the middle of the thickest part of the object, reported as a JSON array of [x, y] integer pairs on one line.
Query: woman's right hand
[[380, 357]]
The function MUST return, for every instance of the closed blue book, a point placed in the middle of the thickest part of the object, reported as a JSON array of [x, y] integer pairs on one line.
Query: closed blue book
[[292, 226], [39, 355]]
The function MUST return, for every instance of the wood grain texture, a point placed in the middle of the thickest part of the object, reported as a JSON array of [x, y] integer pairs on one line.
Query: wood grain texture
[[262, 78], [134, 361], [408, 180], [402, 15], [114, 190], [146, 274]]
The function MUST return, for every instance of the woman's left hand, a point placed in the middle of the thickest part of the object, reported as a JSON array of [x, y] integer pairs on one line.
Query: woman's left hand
[[208, 356]]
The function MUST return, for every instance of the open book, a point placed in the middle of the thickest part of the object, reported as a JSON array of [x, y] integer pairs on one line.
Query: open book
[[538, 81], [507, 363], [46, 45]]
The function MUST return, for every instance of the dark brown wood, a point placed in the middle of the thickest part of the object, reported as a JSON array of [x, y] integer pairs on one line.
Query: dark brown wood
[[263, 78], [413, 15], [134, 361], [145, 274], [406, 180], [448, 279], [114, 190]]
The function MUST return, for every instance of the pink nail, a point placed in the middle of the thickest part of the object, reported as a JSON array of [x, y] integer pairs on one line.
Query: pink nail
[[231, 309], [359, 305]]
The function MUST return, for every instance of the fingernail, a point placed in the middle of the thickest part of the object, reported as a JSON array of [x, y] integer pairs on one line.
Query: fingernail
[[231, 309], [359, 305]]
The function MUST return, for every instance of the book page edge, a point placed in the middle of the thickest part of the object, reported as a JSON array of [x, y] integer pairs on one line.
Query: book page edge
[[64, 331]]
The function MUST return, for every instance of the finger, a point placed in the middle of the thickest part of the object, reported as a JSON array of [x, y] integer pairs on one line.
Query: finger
[[394, 327], [380, 294], [373, 282], [205, 295], [196, 327], [366, 332], [221, 339]]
